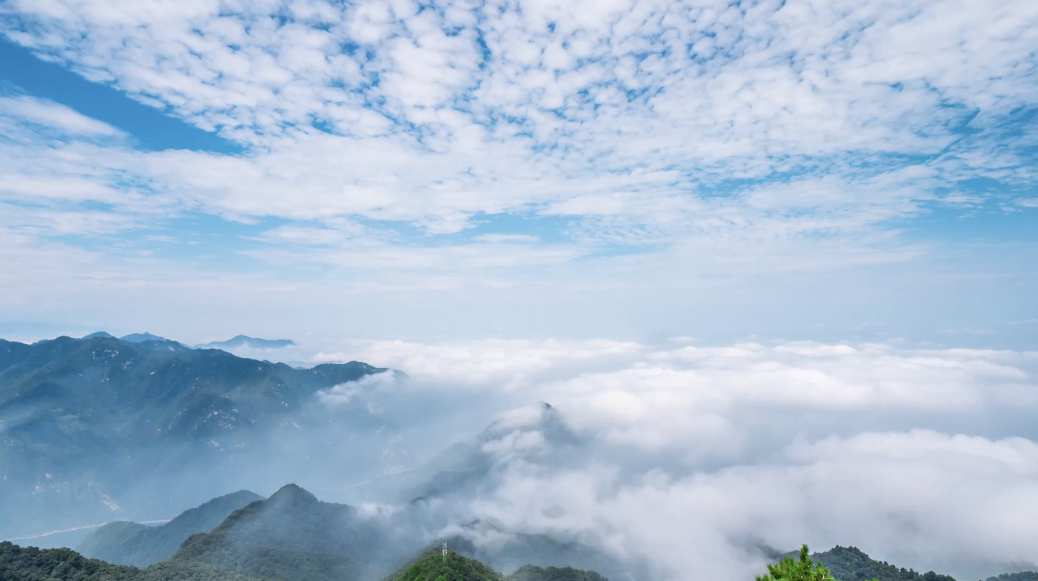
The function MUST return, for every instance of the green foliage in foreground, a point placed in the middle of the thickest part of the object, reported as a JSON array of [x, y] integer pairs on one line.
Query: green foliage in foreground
[[32, 564], [803, 569]]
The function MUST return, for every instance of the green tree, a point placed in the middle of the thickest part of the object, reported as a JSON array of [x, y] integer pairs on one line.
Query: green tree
[[803, 569]]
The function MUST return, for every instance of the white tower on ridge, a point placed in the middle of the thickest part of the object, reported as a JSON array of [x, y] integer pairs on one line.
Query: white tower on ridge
[[444, 551]]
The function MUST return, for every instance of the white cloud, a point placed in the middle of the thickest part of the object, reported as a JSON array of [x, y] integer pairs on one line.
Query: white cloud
[[63, 222], [663, 148], [500, 362], [55, 116], [441, 116], [634, 390], [888, 493], [710, 88], [691, 457]]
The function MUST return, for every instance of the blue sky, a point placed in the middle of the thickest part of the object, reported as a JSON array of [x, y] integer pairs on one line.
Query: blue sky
[[627, 169]]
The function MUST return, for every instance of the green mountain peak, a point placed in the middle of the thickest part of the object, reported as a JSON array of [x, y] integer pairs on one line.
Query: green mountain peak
[[436, 565]]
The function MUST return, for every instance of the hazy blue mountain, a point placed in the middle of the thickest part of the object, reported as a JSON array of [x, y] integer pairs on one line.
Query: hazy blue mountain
[[83, 419], [10, 352], [141, 338], [292, 535], [468, 466], [127, 543], [115, 542], [468, 469], [1022, 576], [246, 342], [512, 551], [149, 390]]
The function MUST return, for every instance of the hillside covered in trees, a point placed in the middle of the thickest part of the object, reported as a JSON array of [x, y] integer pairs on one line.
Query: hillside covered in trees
[[434, 565], [852, 564], [32, 564]]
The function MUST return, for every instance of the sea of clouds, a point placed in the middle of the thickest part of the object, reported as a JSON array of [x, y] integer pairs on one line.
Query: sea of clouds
[[693, 458]]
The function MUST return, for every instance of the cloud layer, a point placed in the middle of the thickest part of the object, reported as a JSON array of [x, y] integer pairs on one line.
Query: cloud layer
[[436, 114], [691, 458]]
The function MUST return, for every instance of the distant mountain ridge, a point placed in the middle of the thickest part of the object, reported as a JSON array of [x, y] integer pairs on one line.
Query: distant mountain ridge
[[126, 543], [236, 342], [247, 342], [203, 391], [292, 535], [78, 412], [142, 338]]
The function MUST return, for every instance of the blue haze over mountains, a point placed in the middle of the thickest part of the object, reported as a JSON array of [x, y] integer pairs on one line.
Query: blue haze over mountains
[[106, 428], [99, 427]]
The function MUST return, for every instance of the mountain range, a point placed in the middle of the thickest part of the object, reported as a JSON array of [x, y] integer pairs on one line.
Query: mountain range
[[246, 342], [130, 543], [290, 535], [293, 535], [83, 420], [32, 564]]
